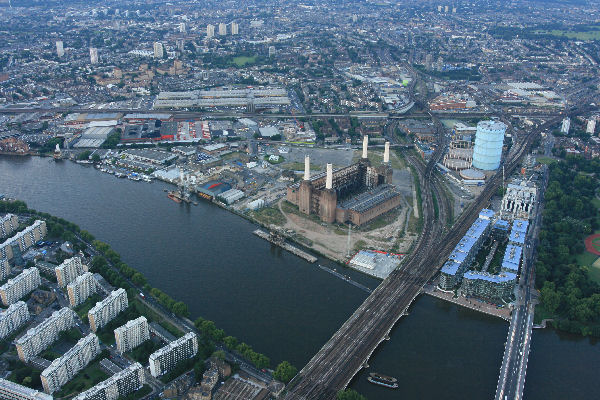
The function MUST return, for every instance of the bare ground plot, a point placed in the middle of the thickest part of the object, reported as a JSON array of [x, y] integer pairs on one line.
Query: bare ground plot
[[332, 240], [321, 157]]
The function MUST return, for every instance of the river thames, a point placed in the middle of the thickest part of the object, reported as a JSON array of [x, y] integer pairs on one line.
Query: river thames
[[283, 306]]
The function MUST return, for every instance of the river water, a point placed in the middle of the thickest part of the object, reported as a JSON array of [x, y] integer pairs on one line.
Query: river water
[[283, 306]]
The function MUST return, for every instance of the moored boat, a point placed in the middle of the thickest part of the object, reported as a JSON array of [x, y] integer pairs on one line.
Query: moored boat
[[383, 380]]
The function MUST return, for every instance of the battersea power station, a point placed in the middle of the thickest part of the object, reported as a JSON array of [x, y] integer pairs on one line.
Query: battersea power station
[[356, 193]]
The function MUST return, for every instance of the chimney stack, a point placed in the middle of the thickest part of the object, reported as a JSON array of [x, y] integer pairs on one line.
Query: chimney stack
[[307, 168], [365, 145], [386, 153], [329, 180]]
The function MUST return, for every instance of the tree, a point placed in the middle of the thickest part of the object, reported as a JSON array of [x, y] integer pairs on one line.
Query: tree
[[181, 309], [350, 394], [139, 280], [285, 372], [95, 157], [230, 342], [549, 297]]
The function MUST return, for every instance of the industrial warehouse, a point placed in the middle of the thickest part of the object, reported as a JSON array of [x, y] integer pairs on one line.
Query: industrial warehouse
[[357, 193]]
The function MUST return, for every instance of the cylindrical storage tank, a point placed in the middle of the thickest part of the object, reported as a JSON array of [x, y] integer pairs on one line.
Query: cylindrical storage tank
[[488, 145]]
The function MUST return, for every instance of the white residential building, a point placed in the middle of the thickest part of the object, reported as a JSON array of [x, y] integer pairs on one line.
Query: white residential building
[[235, 28], [11, 319], [8, 224], [222, 29], [60, 51], [158, 50], [13, 391], [81, 288], [166, 358], [132, 334], [63, 369], [566, 125], [4, 269], [518, 201], [24, 239], [68, 270], [93, 55], [23, 284], [210, 31], [591, 126], [120, 384], [107, 309], [40, 337]]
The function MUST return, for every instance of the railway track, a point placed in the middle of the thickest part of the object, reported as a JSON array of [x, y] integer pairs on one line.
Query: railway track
[[332, 368]]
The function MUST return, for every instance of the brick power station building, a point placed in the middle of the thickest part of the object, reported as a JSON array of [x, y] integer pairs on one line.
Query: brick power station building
[[356, 193]]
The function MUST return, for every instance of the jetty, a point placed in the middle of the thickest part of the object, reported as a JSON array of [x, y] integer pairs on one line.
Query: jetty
[[279, 241]]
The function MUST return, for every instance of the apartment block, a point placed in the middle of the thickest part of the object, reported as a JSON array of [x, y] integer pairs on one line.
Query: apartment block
[[4, 269], [107, 309], [132, 334], [20, 286], [13, 318], [8, 224], [24, 239], [166, 358], [120, 384], [13, 391], [69, 270], [40, 337], [63, 369], [81, 288]]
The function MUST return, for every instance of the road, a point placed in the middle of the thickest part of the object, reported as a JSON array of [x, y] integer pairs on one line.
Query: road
[[511, 380], [184, 115], [332, 368]]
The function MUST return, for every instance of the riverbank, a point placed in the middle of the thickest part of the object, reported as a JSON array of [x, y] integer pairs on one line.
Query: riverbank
[[472, 304]]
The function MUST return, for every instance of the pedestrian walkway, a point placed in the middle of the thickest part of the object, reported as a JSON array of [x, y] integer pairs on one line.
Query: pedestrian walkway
[[473, 304]]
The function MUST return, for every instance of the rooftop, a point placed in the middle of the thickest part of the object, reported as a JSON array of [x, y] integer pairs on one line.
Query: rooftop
[[369, 199]]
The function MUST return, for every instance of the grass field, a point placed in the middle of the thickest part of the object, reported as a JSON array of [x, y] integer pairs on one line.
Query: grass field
[[269, 215], [591, 35], [243, 60], [545, 160], [84, 380], [594, 272]]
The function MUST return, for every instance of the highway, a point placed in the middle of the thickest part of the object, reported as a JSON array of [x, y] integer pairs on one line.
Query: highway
[[348, 350]]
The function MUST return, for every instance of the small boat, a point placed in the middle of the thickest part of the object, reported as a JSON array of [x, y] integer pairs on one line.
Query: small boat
[[173, 196], [383, 380]]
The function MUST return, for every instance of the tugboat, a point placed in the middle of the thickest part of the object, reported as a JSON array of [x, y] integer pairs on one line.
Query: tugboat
[[383, 380]]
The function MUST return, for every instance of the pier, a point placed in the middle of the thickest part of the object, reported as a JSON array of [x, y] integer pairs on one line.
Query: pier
[[279, 241], [346, 279]]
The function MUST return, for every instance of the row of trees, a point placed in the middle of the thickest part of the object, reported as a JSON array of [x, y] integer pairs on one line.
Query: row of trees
[[210, 331], [210, 334], [567, 292]]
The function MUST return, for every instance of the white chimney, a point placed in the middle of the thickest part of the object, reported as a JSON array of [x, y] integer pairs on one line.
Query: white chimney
[[329, 180], [386, 153], [307, 168], [365, 145]]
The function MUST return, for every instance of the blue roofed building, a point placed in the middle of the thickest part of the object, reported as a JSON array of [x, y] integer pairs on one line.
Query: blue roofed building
[[517, 238], [512, 258], [486, 214], [464, 253], [450, 275], [520, 225]]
